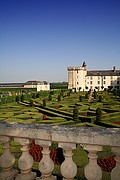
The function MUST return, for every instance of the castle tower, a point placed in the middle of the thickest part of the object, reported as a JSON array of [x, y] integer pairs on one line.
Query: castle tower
[[76, 77]]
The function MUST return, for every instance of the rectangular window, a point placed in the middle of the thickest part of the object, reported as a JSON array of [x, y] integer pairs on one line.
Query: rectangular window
[[77, 82], [117, 82], [104, 77], [98, 77], [91, 77], [98, 82], [104, 82], [90, 82]]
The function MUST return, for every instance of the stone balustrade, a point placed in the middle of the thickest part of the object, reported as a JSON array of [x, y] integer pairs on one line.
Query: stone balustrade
[[92, 140]]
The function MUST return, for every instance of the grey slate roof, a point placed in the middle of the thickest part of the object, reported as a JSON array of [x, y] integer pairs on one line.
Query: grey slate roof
[[35, 82], [11, 84], [103, 73]]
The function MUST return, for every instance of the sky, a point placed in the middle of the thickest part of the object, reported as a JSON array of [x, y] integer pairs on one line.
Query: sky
[[39, 39]]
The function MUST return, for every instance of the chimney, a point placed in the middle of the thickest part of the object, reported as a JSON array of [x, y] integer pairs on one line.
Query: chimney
[[114, 69]]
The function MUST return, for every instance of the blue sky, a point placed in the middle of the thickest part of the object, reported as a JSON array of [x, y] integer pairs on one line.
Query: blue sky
[[39, 39]]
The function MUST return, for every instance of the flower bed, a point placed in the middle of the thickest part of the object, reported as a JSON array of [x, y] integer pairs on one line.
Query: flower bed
[[117, 122], [106, 164], [55, 154]]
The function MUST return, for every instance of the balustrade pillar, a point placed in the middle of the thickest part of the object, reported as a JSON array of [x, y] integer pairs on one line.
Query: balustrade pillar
[[68, 167], [7, 160], [25, 162], [115, 174], [46, 165], [92, 170]]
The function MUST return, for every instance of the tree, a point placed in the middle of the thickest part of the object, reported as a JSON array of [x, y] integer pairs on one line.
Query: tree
[[98, 114], [75, 114]]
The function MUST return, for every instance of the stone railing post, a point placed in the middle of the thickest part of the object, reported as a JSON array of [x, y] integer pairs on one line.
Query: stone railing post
[[115, 174], [46, 165], [7, 160], [68, 167], [92, 170], [25, 162]]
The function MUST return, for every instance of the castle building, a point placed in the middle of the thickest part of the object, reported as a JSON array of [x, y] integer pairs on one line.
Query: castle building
[[80, 78], [39, 85]]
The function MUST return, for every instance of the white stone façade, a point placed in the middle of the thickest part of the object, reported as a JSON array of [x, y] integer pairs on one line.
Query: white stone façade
[[80, 78]]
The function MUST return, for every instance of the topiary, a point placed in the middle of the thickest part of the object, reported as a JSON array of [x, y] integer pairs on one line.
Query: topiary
[[44, 102], [59, 97], [98, 114], [75, 114]]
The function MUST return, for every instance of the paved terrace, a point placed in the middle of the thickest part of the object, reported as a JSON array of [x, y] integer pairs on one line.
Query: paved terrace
[[91, 138]]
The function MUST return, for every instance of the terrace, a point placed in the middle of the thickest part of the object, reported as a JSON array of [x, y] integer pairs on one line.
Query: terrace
[[91, 138]]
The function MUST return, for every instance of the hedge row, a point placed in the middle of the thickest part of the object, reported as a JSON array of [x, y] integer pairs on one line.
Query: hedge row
[[50, 113], [70, 115], [109, 110], [108, 125]]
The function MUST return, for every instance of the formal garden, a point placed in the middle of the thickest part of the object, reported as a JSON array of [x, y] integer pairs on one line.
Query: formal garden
[[63, 107]]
